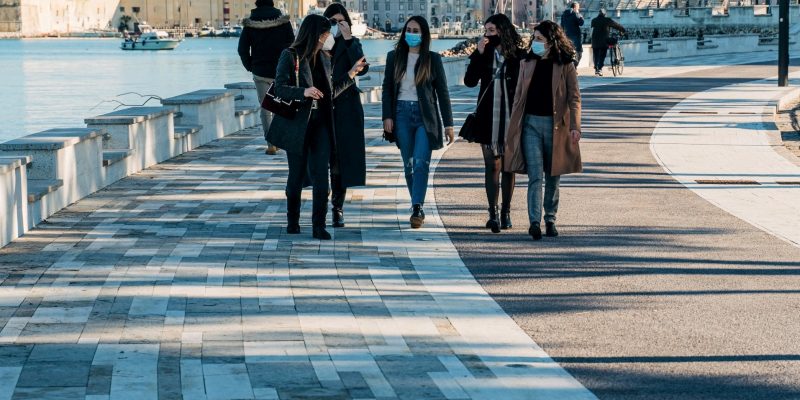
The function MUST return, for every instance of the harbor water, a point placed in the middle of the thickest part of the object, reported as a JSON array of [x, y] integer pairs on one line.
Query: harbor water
[[50, 83]]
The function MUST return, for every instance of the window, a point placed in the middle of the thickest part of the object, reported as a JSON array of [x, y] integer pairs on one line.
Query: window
[[135, 9], [122, 9], [376, 5], [388, 6], [363, 6], [402, 6], [401, 18]]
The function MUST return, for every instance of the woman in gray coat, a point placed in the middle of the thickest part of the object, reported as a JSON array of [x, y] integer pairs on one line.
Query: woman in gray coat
[[308, 137], [414, 94]]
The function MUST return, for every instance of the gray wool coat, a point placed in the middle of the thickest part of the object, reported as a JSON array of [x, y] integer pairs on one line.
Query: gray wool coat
[[434, 98]]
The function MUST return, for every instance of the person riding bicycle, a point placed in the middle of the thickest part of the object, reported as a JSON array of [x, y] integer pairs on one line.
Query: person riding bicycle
[[601, 27]]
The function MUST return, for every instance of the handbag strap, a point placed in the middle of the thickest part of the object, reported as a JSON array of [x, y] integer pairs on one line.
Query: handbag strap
[[296, 70], [487, 88]]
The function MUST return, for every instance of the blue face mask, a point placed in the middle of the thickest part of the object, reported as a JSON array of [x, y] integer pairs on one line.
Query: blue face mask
[[413, 39], [538, 48]]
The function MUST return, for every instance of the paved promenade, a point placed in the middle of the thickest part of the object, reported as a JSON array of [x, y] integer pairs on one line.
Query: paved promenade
[[181, 281]]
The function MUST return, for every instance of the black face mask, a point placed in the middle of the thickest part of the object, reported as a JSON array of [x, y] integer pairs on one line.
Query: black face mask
[[494, 40]]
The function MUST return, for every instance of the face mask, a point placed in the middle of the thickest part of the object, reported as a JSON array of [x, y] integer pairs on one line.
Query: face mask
[[494, 40], [328, 44], [335, 30], [413, 39], [538, 48]]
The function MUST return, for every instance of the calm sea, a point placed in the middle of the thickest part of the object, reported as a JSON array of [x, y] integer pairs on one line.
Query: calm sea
[[49, 83]]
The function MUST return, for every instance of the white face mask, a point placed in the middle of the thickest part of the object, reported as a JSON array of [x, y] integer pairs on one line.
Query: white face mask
[[335, 30], [328, 44]]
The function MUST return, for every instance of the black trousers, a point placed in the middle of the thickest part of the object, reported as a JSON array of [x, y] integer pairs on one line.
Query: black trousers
[[314, 162], [599, 54], [338, 192]]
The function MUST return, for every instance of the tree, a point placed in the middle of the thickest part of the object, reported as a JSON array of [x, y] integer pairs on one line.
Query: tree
[[123, 22]]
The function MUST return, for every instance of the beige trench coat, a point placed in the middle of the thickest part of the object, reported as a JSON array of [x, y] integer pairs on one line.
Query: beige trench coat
[[566, 117]]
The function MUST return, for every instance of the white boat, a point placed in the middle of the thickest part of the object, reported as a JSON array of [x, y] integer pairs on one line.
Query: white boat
[[151, 40], [207, 31], [359, 28]]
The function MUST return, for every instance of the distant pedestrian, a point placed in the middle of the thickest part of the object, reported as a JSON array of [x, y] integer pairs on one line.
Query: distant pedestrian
[[265, 35], [571, 22], [414, 94], [495, 65], [545, 125], [601, 30], [348, 161], [308, 137]]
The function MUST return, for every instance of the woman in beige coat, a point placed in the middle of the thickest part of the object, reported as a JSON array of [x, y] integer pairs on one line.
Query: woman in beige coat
[[545, 128]]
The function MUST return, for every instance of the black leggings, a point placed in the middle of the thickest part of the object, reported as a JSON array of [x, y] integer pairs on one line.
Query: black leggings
[[494, 167]]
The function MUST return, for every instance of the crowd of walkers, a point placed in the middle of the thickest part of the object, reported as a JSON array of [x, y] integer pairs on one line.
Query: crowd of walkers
[[527, 118]]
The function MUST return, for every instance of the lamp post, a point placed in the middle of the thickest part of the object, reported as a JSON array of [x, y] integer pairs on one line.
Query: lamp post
[[783, 43]]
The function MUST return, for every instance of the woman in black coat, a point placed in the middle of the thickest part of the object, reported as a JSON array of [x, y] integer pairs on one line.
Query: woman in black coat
[[495, 65], [348, 164], [304, 73]]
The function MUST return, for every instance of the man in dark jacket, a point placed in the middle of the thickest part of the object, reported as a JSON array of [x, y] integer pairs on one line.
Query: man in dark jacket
[[572, 21], [601, 26], [265, 35]]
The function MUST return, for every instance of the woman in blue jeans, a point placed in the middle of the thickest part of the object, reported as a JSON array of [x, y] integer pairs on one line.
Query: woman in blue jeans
[[414, 94], [545, 124]]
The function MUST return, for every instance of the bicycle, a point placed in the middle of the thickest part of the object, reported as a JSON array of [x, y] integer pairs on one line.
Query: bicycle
[[617, 63]]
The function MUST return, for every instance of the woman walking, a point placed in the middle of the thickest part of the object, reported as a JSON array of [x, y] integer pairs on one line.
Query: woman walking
[[495, 65], [304, 73], [415, 101], [348, 162], [545, 125]]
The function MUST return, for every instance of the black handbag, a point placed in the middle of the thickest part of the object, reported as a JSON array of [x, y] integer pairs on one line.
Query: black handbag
[[286, 108], [467, 131]]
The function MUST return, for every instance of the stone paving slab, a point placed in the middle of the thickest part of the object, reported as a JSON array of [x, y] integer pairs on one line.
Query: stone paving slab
[[181, 281]]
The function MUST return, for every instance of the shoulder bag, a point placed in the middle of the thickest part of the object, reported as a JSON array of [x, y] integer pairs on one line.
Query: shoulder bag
[[286, 108], [467, 130]]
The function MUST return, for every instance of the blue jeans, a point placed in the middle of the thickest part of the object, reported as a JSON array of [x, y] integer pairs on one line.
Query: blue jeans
[[414, 148], [537, 144]]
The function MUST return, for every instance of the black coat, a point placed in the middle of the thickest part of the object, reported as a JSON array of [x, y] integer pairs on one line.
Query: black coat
[[265, 35], [431, 93], [290, 134], [572, 22], [480, 71], [600, 30], [348, 116]]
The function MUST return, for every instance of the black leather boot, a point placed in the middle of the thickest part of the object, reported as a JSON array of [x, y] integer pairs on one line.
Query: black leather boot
[[293, 215], [505, 217], [338, 194], [493, 223], [320, 233], [550, 229], [535, 231], [417, 216]]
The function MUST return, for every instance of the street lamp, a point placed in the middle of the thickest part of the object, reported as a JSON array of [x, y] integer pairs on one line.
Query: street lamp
[[783, 43]]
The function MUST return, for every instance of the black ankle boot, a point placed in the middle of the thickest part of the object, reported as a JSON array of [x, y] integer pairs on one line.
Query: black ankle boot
[[417, 216], [320, 233], [550, 229], [338, 217], [505, 217], [293, 216], [493, 223], [535, 231]]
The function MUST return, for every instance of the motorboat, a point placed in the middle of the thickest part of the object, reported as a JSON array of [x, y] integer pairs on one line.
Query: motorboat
[[207, 31], [359, 28], [150, 39]]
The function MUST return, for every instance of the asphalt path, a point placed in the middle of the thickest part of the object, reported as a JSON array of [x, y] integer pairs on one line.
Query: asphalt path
[[650, 292]]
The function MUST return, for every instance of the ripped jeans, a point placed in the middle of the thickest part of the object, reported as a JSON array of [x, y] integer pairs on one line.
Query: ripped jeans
[[414, 148]]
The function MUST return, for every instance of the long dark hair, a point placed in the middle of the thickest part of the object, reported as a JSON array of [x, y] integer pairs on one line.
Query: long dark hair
[[401, 52], [337, 8], [312, 28], [562, 50], [510, 40]]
